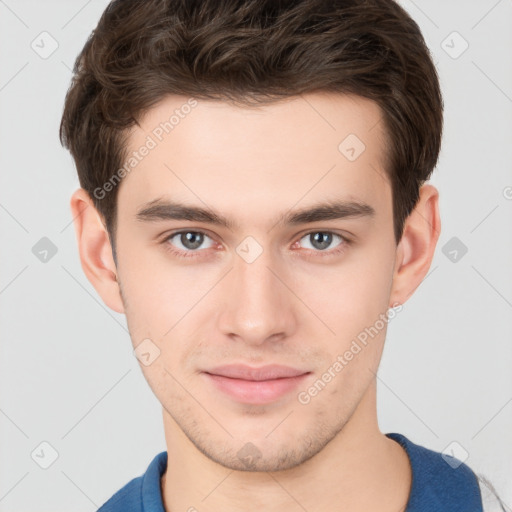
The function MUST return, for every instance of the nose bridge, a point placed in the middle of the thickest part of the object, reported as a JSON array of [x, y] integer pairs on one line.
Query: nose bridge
[[258, 305]]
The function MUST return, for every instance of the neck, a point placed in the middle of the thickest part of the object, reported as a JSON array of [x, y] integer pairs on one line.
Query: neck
[[359, 470]]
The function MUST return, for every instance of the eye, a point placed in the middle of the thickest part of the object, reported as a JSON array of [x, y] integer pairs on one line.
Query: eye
[[188, 241], [322, 240]]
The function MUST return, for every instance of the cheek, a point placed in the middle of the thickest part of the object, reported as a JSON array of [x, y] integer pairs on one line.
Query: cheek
[[351, 296], [158, 294]]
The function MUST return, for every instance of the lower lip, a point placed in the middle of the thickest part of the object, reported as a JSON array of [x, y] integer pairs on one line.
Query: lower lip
[[256, 392]]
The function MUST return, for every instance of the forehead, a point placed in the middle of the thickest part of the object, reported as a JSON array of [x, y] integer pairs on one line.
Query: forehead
[[248, 159]]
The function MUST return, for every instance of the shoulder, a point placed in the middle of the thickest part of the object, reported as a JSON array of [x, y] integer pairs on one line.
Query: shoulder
[[140, 493], [440, 482], [128, 498]]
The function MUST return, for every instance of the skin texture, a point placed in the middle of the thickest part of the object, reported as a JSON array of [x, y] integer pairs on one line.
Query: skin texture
[[294, 304]]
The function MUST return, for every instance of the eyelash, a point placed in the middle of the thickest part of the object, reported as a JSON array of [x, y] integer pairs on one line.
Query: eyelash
[[195, 253]]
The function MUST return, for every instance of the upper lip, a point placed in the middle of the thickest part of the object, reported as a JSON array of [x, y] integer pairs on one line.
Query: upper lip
[[269, 372]]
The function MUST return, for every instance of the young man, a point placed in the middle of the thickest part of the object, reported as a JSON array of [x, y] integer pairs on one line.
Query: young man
[[253, 199]]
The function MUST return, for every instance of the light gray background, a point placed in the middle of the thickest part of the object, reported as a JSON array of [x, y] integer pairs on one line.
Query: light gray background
[[68, 376]]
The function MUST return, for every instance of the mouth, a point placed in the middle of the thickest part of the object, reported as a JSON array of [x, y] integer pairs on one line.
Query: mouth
[[255, 385]]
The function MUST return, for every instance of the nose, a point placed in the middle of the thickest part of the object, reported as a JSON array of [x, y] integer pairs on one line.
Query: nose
[[257, 305]]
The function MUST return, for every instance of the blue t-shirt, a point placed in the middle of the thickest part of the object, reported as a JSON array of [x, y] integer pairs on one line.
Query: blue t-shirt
[[437, 486]]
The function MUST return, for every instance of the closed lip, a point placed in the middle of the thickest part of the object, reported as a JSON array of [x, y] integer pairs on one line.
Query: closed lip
[[268, 372]]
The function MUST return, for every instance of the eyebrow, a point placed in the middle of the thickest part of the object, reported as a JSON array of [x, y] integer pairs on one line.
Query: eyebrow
[[164, 209]]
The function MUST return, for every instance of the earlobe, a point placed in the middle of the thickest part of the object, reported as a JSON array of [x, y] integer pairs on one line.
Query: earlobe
[[95, 249], [417, 247]]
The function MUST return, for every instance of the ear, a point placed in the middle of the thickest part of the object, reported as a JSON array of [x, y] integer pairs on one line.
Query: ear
[[416, 248], [95, 249]]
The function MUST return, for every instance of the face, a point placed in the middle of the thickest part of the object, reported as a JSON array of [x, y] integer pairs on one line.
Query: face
[[248, 281]]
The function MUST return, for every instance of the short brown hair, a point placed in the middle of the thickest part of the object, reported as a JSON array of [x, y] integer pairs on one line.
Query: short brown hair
[[252, 51]]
